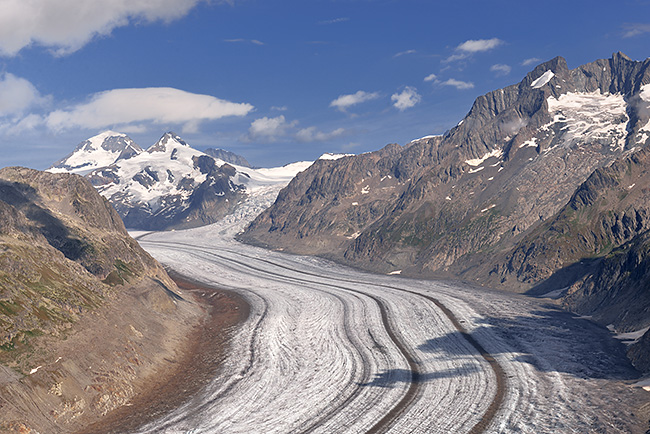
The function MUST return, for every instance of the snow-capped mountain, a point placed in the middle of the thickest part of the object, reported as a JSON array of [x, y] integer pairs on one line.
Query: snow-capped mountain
[[170, 185], [99, 151]]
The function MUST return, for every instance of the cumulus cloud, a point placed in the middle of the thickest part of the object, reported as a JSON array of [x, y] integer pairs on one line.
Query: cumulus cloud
[[635, 29], [501, 69], [160, 105], [476, 45], [530, 61], [343, 102], [458, 84], [407, 98], [312, 134], [431, 77], [67, 25], [269, 128], [18, 95], [472, 46]]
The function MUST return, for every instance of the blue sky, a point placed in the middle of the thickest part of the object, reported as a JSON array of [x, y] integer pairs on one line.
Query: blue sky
[[279, 81]]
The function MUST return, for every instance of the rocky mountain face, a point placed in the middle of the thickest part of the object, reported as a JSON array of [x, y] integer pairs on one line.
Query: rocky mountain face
[[170, 185], [66, 260], [227, 156], [486, 200]]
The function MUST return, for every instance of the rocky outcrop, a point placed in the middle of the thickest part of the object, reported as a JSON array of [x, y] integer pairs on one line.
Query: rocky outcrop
[[85, 313]]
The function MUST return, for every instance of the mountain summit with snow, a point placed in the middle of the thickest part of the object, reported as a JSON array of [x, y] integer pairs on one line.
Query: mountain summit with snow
[[99, 151], [170, 184]]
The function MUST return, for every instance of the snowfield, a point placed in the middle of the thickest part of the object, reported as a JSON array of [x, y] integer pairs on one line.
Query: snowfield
[[328, 349]]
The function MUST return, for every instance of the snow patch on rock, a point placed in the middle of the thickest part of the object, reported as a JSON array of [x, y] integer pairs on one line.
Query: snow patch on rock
[[542, 80]]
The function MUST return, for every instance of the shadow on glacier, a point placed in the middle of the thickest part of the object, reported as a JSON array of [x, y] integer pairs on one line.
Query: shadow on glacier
[[391, 377], [548, 339]]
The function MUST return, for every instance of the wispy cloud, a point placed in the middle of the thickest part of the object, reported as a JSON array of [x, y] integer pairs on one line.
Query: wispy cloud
[[334, 21], [530, 61], [158, 105], [458, 84], [66, 26], [272, 129], [472, 46], [405, 99], [312, 134], [343, 102], [501, 69], [635, 29], [282, 108], [249, 41], [403, 53]]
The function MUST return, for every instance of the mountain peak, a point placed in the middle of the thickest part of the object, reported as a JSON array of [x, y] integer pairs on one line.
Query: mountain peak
[[98, 151], [169, 138], [545, 71], [620, 55]]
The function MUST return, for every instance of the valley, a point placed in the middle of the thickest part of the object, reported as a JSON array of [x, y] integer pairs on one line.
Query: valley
[[330, 349]]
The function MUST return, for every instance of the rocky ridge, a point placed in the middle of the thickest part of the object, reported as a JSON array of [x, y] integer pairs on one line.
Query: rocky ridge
[[462, 205], [85, 313]]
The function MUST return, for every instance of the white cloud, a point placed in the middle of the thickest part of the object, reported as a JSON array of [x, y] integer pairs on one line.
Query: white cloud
[[431, 77], [469, 47], [18, 95], [312, 134], [67, 25], [501, 69], [270, 128], [19, 125], [406, 98], [343, 102], [530, 61], [283, 108], [402, 53], [458, 84], [160, 105], [477, 45], [635, 29]]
